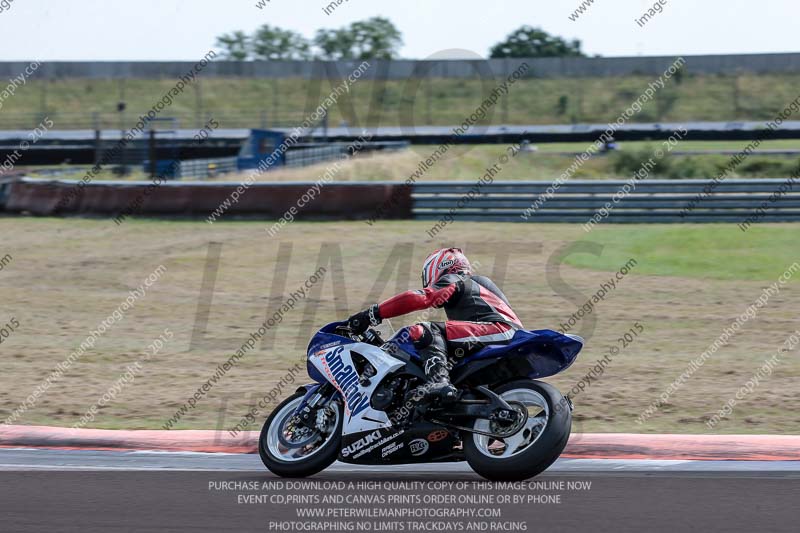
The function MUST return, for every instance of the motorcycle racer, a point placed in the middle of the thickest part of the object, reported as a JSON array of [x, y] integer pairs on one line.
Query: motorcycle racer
[[478, 314]]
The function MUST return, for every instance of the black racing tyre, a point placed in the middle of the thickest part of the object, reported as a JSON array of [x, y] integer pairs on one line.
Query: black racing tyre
[[270, 446], [527, 459]]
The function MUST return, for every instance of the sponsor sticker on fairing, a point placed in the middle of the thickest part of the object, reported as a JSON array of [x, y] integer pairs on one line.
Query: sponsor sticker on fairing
[[365, 441], [378, 444], [346, 380], [437, 435], [330, 345], [395, 446], [418, 447]]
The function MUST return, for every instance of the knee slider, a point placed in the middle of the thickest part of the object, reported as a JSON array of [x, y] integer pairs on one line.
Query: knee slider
[[421, 335]]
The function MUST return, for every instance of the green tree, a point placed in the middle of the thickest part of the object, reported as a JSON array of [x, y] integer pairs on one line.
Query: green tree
[[235, 46], [272, 43], [534, 42], [335, 44], [376, 38]]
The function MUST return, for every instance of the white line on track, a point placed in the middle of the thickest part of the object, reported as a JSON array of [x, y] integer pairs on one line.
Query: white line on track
[[23, 459]]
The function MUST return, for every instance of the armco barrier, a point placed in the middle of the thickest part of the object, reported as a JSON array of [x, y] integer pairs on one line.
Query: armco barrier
[[267, 200], [664, 201], [651, 201]]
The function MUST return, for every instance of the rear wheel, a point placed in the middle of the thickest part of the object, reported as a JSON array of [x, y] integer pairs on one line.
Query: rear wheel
[[531, 449], [289, 449]]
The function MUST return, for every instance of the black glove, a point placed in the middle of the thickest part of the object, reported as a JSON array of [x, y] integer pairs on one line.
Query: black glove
[[360, 322]]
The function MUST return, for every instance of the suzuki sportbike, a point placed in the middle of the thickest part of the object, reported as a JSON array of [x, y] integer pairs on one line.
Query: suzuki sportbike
[[366, 407]]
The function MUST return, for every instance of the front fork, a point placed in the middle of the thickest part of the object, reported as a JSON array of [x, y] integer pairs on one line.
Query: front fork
[[317, 397]]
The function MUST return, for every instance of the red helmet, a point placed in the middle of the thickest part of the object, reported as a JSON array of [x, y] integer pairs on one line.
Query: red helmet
[[444, 261]]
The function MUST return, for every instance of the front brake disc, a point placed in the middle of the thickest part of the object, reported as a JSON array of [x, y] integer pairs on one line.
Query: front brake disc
[[292, 444]]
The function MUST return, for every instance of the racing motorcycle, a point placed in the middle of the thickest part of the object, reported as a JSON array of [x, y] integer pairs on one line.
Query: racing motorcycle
[[365, 407]]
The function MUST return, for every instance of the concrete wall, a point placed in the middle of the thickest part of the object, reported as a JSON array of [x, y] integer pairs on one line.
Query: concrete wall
[[338, 201], [404, 69]]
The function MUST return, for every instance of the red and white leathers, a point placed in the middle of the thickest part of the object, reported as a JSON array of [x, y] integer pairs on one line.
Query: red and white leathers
[[478, 314]]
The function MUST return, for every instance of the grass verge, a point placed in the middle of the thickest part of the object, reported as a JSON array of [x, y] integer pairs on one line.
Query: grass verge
[[690, 282]]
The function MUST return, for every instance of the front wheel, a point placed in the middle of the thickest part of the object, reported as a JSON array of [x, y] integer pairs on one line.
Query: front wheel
[[532, 449], [289, 449]]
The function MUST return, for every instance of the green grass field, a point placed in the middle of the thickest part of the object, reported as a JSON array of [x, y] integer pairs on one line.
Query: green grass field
[[259, 102], [689, 283], [720, 252]]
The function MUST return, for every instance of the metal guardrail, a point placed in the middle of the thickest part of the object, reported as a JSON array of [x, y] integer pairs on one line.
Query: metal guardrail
[[206, 168], [652, 201], [316, 154]]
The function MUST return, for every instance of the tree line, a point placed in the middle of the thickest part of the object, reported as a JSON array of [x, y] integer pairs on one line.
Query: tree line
[[374, 38]]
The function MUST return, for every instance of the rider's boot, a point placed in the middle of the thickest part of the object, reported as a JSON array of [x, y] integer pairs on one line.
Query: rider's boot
[[437, 385]]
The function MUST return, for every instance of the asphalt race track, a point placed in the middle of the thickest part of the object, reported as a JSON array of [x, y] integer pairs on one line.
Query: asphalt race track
[[94, 491], [84, 460]]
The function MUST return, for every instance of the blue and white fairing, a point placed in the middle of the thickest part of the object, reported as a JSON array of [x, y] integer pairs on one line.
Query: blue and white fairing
[[545, 351], [330, 358], [532, 354]]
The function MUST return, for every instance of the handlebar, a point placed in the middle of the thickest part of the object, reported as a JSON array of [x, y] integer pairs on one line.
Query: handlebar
[[373, 337], [370, 336]]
